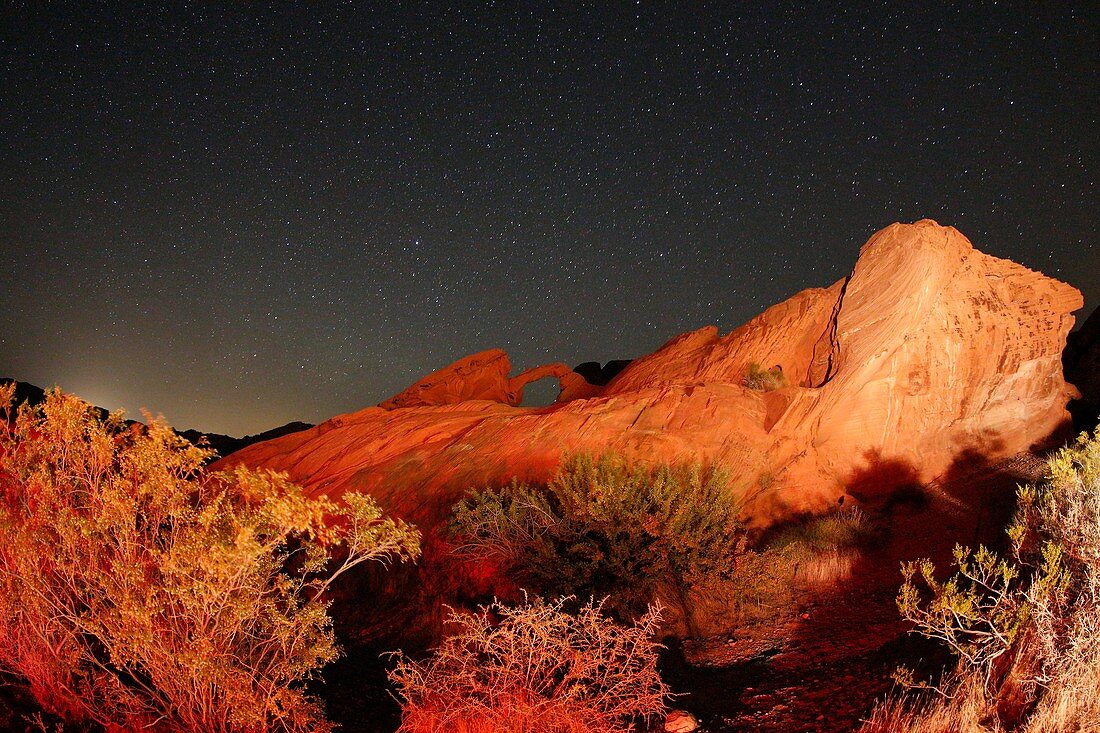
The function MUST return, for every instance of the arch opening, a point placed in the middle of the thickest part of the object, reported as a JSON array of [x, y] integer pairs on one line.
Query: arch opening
[[541, 392]]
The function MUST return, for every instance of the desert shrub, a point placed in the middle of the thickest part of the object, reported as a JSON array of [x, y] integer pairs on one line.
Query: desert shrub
[[980, 611], [534, 668], [602, 526], [819, 552], [843, 529], [1026, 628], [810, 555], [764, 380], [138, 590], [927, 711]]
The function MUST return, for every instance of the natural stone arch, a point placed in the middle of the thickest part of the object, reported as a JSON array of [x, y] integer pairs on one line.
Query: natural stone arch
[[571, 385], [539, 392]]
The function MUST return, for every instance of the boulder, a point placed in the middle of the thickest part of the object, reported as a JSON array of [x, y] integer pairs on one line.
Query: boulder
[[480, 376], [680, 721]]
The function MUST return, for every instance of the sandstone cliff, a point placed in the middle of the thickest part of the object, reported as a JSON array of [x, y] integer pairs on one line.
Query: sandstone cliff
[[929, 350]]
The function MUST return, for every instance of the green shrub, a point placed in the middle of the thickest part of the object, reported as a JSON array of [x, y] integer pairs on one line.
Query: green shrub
[[980, 611], [602, 527], [764, 380], [136, 590], [534, 668]]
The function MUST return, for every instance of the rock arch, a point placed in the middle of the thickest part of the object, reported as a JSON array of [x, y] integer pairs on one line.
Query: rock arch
[[572, 386], [484, 376]]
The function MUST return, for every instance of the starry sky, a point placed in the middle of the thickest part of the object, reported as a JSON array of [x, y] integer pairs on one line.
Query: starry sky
[[239, 215]]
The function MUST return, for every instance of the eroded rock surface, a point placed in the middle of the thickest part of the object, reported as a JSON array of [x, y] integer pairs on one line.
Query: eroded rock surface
[[928, 351], [484, 376], [480, 376]]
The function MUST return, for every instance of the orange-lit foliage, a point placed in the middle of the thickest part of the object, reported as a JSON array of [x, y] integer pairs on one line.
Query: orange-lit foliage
[[605, 526], [534, 668], [137, 591], [764, 380]]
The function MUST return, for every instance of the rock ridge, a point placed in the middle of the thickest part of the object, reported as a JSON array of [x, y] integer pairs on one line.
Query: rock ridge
[[929, 353], [929, 348]]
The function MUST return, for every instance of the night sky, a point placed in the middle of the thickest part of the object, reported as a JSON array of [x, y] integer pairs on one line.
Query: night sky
[[240, 216]]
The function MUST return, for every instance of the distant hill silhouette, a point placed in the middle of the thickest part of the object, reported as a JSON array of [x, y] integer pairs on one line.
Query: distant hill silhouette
[[226, 444], [223, 444]]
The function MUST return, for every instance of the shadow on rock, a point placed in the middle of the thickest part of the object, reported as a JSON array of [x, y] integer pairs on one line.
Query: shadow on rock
[[836, 656]]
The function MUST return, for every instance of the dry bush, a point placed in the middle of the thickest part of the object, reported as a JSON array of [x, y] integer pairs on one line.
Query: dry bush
[[1027, 628], [762, 592], [839, 530], [1067, 701], [534, 668], [764, 380], [135, 590], [772, 582], [605, 527], [966, 711], [825, 571], [809, 556], [823, 551], [1069, 685]]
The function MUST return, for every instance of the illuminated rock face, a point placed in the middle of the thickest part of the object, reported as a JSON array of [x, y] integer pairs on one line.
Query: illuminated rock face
[[484, 376], [928, 351], [480, 376]]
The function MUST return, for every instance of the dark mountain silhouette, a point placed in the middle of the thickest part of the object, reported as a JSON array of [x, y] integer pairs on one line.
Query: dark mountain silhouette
[[226, 444], [1081, 363], [223, 444], [599, 375]]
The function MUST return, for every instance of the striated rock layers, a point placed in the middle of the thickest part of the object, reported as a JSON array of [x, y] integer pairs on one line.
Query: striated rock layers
[[930, 350]]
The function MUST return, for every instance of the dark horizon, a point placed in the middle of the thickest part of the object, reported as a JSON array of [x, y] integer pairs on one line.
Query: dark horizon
[[240, 217]]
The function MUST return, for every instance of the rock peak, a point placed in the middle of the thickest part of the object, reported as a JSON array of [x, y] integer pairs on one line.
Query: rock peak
[[929, 352], [929, 348]]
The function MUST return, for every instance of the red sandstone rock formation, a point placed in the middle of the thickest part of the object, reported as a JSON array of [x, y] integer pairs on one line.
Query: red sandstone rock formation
[[928, 350], [480, 376], [484, 376]]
